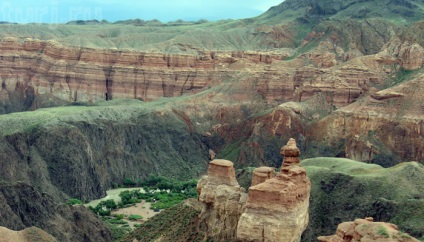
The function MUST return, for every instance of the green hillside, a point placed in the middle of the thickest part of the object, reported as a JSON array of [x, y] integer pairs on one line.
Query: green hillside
[[343, 190], [398, 11]]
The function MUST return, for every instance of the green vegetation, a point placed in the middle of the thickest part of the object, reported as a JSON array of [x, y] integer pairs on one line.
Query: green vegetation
[[231, 151], [104, 207], [118, 227], [343, 190], [162, 192], [135, 217], [129, 183], [404, 235], [174, 224], [382, 231], [74, 201], [402, 76]]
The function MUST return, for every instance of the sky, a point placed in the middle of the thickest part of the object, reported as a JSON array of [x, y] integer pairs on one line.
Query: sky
[[62, 11]]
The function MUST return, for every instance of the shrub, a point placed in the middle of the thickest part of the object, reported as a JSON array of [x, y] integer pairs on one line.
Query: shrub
[[128, 182], [382, 231], [119, 216], [133, 217], [74, 201]]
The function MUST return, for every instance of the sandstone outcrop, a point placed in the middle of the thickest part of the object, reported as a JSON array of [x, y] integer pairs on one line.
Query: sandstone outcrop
[[262, 174], [277, 209], [387, 124], [367, 230], [223, 201]]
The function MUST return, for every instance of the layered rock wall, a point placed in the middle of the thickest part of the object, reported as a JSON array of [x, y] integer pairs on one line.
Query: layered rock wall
[[35, 74]]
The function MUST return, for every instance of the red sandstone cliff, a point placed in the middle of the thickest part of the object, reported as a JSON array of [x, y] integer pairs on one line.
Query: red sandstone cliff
[[36, 72]]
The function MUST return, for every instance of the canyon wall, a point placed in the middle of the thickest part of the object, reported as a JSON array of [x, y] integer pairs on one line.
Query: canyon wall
[[85, 153], [36, 74], [23, 206]]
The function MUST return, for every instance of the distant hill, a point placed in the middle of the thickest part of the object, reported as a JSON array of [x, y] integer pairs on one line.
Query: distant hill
[[311, 10]]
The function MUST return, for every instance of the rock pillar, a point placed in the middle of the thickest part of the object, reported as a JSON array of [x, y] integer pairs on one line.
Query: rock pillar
[[223, 201], [277, 209]]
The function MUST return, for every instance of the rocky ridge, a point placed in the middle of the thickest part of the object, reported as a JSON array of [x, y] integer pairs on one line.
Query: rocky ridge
[[367, 230], [22, 207]]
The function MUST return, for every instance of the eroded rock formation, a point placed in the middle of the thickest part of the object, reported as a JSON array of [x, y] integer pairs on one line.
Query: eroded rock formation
[[262, 174], [382, 128], [277, 209], [223, 201], [367, 230]]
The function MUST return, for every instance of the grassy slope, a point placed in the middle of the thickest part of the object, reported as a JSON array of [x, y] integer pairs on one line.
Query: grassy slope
[[116, 110], [295, 18], [234, 35], [178, 223], [343, 190]]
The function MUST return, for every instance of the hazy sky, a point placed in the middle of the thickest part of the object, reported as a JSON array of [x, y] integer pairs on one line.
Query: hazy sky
[[57, 11]]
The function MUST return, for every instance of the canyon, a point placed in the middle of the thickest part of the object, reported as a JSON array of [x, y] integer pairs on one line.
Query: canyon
[[84, 107]]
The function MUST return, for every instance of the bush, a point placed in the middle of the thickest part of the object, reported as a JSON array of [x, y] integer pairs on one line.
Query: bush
[[128, 182], [382, 231], [119, 216], [74, 201], [133, 217]]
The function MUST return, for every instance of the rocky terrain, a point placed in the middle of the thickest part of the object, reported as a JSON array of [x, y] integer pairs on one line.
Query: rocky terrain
[[28, 234], [341, 190], [367, 230], [23, 207], [113, 101], [275, 209]]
